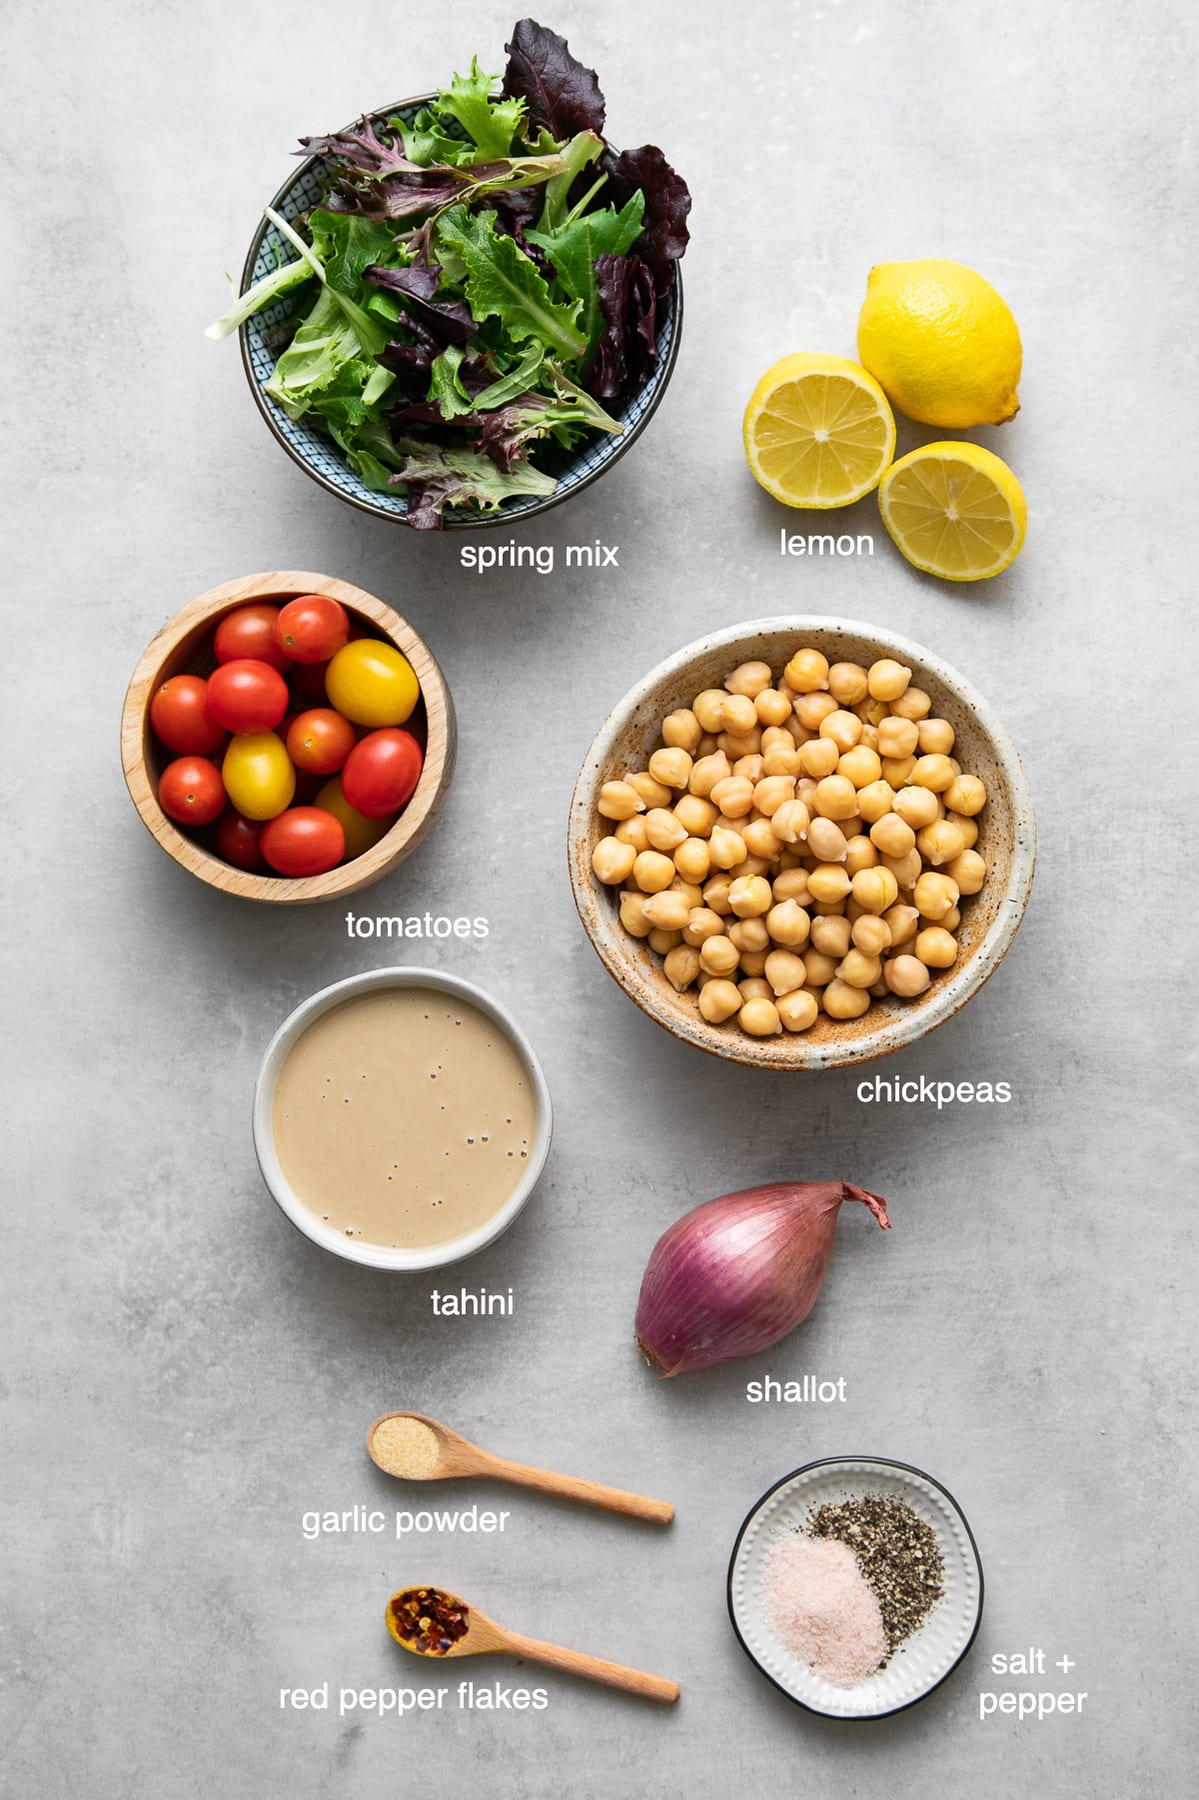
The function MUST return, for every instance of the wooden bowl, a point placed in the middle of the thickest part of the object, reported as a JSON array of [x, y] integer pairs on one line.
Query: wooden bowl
[[1007, 839], [180, 646]]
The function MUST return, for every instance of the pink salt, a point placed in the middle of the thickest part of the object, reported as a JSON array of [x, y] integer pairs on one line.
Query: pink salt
[[818, 1602]]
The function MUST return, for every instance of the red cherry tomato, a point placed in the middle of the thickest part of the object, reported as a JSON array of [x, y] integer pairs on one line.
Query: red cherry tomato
[[190, 791], [180, 718], [237, 840], [319, 741], [312, 628], [381, 772], [304, 840], [247, 695], [249, 631]]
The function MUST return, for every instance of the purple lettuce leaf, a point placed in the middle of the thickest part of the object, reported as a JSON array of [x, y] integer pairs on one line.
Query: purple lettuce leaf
[[664, 236], [559, 93], [449, 321], [626, 353]]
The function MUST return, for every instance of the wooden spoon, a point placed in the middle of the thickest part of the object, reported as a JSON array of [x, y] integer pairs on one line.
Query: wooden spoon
[[414, 1456], [433, 1622]]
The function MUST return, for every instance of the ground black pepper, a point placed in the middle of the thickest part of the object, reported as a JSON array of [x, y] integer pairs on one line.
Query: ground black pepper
[[897, 1553]]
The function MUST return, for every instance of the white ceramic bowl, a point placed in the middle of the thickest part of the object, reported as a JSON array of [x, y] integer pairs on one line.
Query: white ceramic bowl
[[379, 1256], [928, 1657], [990, 919]]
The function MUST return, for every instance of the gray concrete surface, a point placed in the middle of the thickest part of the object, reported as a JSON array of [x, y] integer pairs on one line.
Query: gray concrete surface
[[183, 1376]]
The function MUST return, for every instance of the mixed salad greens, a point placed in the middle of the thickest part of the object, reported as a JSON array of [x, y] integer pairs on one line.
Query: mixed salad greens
[[484, 280]]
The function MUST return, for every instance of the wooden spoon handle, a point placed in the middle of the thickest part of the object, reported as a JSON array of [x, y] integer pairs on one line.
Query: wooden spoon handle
[[594, 1668], [591, 1493]]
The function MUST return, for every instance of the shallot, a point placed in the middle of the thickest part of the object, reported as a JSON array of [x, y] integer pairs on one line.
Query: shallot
[[738, 1273]]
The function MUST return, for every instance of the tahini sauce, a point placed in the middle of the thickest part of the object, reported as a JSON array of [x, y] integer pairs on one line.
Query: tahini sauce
[[404, 1118]]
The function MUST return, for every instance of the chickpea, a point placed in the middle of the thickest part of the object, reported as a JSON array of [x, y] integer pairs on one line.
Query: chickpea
[[693, 860], [681, 967], [749, 935], [906, 976], [811, 710], [707, 745], [797, 1011], [861, 765], [671, 767], [847, 683], [791, 884], [708, 770], [702, 923], [940, 842], [788, 924], [654, 793], [663, 830], [906, 869], [952, 919], [735, 746], [790, 822], [784, 971], [968, 869], [844, 1001], [898, 737], [845, 728], [753, 962], [759, 1017], [681, 730], [917, 806], [739, 715], [664, 941], [653, 872], [859, 970], [872, 712], [750, 678], [726, 847], [772, 707], [875, 889], [936, 947], [828, 882], [869, 738], [719, 955], [968, 827], [860, 853], [933, 771], [632, 915], [913, 703], [754, 987], [819, 968], [875, 801], [761, 842], [827, 909], [694, 895], [966, 795], [935, 895], [708, 708], [819, 758], [887, 679], [936, 737], [771, 792], [613, 861], [879, 991], [807, 671], [836, 797], [779, 760], [871, 934], [750, 896], [902, 921], [734, 796], [750, 768], [696, 816], [826, 840], [633, 831], [718, 1001], [898, 770], [831, 936], [619, 800], [716, 894], [892, 836]]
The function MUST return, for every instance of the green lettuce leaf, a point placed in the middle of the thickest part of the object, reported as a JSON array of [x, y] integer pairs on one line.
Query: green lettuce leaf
[[581, 150], [280, 282], [574, 247], [426, 142], [503, 282], [437, 478], [491, 124], [323, 349]]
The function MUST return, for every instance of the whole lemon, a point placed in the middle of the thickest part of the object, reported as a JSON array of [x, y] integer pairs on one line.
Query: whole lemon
[[941, 343]]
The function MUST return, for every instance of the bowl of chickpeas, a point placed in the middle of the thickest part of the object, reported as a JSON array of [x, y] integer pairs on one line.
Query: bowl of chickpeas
[[802, 843]]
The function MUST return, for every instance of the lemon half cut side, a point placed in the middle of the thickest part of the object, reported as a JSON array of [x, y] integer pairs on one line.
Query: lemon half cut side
[[818, 431], [954, 510]]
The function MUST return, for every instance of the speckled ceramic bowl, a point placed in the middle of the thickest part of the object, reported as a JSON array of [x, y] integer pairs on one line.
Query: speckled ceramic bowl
[[320, 457], [1007, 839], [930, 1654]]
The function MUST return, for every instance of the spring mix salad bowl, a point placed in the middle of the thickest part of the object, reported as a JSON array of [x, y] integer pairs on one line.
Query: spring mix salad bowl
[[465, 307]]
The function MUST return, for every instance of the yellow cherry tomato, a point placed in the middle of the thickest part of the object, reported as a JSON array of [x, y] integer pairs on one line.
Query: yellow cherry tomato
[[258, 774], [372, 683], [360, 831]]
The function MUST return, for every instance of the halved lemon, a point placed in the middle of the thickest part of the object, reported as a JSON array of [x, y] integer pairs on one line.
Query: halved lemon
[[954, 510], [818, 431]]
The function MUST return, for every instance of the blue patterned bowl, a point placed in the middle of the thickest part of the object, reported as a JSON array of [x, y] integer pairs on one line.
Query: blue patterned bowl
[[321, 458]]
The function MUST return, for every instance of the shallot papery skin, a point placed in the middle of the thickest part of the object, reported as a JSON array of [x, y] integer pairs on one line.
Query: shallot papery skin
[[737, 1274]]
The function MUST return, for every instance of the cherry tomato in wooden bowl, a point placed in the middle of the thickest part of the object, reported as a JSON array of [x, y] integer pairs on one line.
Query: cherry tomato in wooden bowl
[[180, 718], [247, 695], [311, 628], [320, 740], [258, 774], [304, 840], [191, 791], [238, 840], [381, 773], [249, 632]]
